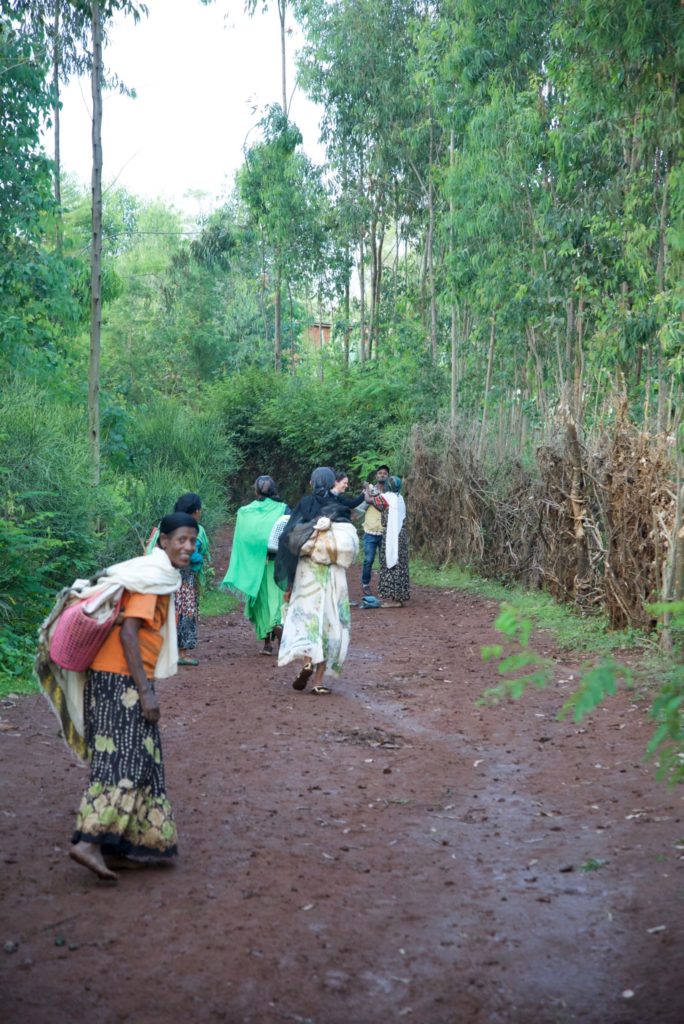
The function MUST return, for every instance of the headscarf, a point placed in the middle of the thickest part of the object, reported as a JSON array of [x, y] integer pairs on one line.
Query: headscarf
[[322, 479], [147, 574], [175, 520], [307, 510], [265, 488], [394, 484], [188, 503]]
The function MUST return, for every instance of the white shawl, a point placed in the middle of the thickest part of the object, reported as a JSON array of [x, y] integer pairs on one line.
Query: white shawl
[[147, 574], [395, 520]]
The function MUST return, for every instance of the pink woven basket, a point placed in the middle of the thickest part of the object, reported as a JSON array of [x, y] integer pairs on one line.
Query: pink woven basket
[[78, 635]]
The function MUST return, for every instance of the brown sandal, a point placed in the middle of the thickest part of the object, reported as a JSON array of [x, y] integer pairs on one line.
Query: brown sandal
[[303, 678]]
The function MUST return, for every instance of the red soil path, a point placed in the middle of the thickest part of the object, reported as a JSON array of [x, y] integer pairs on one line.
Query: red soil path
[[391, 852]]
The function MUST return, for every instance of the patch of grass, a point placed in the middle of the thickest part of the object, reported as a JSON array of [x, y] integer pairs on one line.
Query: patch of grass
[[217, 602], [16, 685], [570, 629], [593, 864]]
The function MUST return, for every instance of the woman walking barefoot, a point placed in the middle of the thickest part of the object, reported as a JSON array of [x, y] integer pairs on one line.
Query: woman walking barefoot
[[125, 813]]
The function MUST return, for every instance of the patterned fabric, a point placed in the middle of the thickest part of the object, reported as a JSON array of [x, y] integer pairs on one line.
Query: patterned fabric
[[394, 584], [125, 808], [187, 600], [317, 620]]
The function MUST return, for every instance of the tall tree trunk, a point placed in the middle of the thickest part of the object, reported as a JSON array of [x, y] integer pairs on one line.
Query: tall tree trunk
[[454, 310], [660, 285], [278, 326], [55, 117], [362, 302], [96, 248], [282, 8], [488, 384], [372, 246], [347, 325], [431, 257], [293, 353], [379, 243]]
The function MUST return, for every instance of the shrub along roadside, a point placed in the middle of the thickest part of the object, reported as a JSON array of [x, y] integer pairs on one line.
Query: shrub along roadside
[[55, 527]]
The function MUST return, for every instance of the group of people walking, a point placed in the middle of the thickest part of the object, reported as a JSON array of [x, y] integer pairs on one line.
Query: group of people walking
[[295, 591], [288, 565]]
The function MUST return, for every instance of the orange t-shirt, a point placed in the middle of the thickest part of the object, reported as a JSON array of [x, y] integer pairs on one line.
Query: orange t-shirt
[[153, 610]]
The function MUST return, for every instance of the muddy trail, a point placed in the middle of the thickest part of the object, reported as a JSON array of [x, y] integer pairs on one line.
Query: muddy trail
[[390, 852]]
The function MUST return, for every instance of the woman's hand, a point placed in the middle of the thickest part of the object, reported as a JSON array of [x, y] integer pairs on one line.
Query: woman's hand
[[149, 704]]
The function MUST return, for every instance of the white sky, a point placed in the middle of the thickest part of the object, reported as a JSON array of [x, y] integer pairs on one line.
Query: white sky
[[203, 76]]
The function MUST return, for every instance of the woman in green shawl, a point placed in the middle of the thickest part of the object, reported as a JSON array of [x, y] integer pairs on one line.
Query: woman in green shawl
[[250, 573]]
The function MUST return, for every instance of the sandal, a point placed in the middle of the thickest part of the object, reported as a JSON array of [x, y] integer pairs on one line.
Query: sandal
[[188, 661], [320, 689], [303, 678]]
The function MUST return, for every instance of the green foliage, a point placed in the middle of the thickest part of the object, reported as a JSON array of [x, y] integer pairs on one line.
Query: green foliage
[[215, 602], [55, 527], [596, 683], [34, 282], [593, 864], [522, 666], [288, 425]]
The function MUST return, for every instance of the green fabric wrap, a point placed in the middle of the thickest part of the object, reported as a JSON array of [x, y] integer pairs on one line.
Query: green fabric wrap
[[250, 543]]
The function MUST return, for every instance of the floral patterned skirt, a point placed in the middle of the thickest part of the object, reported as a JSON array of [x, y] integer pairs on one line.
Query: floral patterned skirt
[[187, 601], [317, 621], [124, 809]]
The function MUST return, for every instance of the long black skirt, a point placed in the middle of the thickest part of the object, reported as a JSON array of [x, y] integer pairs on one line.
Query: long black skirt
[[124, 809]]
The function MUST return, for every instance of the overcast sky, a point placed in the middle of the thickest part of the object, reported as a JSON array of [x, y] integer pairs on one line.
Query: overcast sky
[[202, 76]]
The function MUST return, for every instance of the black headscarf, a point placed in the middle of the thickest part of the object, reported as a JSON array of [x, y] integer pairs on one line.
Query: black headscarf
[[188, 503], [308, 510], [174, 521]]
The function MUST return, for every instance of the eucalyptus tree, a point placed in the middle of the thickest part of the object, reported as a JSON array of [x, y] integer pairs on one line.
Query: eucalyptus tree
[[617, 71], [63, 26], [34, 283], [101, 11], [282, 6], [357, 64], [286, 202]]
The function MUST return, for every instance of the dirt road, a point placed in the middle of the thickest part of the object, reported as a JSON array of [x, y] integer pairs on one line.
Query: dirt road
[[390, 852]]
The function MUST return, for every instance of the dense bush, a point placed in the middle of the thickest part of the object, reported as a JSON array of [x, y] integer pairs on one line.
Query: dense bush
[[287, 425], [55, 527]]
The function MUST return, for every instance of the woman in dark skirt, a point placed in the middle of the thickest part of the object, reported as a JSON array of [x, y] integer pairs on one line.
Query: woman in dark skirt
[[125, 816], [193, 578], [394, 586]]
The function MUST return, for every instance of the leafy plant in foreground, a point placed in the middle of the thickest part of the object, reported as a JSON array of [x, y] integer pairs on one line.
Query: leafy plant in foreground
[[521, 666]]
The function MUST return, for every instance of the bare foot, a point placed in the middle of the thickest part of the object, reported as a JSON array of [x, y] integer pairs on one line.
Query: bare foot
[[89, 855], [114, 860]]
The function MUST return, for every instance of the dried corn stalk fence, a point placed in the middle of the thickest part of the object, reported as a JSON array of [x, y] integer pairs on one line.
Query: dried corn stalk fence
[[597, 522]]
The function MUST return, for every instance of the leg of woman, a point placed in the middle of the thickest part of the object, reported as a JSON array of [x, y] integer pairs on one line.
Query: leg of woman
[[264, 610], [318, 686], [187, 607], [125, 810]]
